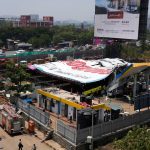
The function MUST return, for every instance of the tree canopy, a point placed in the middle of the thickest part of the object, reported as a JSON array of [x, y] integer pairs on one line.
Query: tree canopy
[[136, 139], [16, 74], [43, 37]]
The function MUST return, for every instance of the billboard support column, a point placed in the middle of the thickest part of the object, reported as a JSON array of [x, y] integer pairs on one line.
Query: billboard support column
[[143, 20], [134, 87], [147, 86], [147, 79]]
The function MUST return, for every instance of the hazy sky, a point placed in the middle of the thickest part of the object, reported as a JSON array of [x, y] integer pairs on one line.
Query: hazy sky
[[82, 10]]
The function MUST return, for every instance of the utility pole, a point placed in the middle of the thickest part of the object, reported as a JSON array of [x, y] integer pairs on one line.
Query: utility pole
[[90, 138], [92, 129], [134, 87]]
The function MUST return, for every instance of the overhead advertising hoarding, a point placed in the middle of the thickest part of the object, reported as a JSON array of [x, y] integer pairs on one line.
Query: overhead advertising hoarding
[[79, 70], [117, 19], [83, 71]]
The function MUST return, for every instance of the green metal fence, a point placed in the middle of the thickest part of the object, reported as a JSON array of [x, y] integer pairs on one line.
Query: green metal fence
[[27, 54]]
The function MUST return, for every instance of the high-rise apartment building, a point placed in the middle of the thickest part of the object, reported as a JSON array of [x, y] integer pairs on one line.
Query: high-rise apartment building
[[33, 21]]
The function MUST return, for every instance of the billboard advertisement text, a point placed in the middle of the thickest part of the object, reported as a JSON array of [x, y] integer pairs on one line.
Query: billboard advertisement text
[[117, 19]]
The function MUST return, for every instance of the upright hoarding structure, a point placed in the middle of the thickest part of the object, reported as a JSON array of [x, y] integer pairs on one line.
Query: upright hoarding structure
[[117, 19], [143, 19]]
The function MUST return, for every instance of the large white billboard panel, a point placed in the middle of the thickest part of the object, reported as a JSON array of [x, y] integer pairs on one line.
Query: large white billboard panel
[[117, 19], [83, 71]]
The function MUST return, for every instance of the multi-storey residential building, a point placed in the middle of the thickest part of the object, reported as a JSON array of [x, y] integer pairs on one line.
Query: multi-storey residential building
[[33, 21]]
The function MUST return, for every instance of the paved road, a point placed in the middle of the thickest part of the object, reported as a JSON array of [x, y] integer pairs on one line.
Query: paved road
[[7, 53], [11, 143]]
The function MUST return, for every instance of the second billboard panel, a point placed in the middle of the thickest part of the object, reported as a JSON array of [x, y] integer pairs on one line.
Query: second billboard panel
[[117, 19]]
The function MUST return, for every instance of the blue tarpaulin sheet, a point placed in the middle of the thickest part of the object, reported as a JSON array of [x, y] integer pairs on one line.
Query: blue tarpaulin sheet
[[27, 100]]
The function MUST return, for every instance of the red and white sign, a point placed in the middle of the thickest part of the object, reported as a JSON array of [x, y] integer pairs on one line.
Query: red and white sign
[[78, 70], [117, 19]]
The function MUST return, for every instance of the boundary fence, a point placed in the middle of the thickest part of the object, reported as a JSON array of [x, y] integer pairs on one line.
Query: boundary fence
[[33, 53], [100, 130], [32, 111], [66, 131], [142, 101]]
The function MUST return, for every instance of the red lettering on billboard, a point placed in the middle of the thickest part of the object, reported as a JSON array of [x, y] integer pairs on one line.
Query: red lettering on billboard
[[115, 15], [80, 65]]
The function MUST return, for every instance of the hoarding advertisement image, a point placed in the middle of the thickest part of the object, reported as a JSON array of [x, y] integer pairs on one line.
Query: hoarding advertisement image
[[79, 70], [117, 19]]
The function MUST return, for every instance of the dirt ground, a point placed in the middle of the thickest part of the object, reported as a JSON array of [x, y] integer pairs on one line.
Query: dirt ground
[[8, 142], [127, 107]]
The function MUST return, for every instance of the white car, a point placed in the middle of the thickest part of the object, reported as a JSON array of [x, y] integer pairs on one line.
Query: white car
[[20, 51], [23, 62]]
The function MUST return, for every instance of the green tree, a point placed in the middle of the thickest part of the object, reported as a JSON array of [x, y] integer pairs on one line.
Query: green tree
[[42, 37], [35, 42], [64, 36], [136, 139], [113, 50], [57, 39], [4, 24], [85, 37], [44, 40], [1, 43], [16, 74]]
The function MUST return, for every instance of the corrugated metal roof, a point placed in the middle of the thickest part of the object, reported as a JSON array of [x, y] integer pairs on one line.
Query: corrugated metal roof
[[136, 68]]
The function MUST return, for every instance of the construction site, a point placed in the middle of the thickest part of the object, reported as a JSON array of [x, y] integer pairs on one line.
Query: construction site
[[79, 98], [78, 102], [78, 106]]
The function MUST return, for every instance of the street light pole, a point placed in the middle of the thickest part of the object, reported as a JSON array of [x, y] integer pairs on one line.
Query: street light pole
[[92, 131], [90, 138]]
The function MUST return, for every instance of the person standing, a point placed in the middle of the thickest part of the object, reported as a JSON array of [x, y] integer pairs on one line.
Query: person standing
[[33, 147], [20, 145]]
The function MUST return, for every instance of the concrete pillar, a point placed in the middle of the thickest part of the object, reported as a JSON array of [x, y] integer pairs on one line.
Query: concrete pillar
[[147, 80], [38, 99], [101, 115], [134, 87], [77, 115], [59, 108]]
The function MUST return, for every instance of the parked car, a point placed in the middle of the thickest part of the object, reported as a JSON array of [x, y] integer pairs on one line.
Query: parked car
[[20, 51]]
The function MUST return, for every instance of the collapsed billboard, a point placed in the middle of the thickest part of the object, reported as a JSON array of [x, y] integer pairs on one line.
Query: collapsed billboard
[[82, 71], [117, 19]]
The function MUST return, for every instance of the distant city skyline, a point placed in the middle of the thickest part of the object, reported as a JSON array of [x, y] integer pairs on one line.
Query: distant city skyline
[[79, 10]]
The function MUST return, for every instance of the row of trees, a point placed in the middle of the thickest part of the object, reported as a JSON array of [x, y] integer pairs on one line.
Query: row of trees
[[43, 37], [128, 51]]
